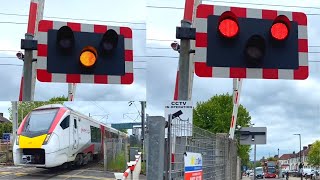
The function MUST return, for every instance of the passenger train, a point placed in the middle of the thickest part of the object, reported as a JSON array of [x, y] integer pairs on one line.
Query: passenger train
[[54, 135]]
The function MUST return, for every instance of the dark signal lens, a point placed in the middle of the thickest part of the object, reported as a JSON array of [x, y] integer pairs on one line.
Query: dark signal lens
[[65, 38]]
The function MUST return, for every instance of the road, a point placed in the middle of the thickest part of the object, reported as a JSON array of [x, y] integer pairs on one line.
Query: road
[[13, 172]]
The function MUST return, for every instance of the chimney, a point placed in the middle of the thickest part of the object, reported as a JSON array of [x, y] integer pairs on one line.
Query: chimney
[[305, 148], [309, 146], [1, 114], [294, 152]]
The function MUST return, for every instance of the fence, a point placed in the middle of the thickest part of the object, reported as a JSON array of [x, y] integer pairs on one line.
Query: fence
[[6, 153], [117, 154], [219, 153]]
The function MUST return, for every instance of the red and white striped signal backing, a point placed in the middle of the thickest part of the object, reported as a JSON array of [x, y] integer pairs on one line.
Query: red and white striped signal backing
[[44, 76], [201, 68]]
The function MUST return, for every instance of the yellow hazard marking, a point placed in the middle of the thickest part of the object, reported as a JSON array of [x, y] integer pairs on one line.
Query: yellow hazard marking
[[5, 173], [85, 177], [35, 142], [21, 174]]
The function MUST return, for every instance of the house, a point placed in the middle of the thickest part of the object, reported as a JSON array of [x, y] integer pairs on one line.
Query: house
[[3, 119], [294, 160], [284, 161]]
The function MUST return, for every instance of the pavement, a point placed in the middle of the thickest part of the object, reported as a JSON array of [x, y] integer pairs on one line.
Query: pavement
[[14, 172], [290, 178]]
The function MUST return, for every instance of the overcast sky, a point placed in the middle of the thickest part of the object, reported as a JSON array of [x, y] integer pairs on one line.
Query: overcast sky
[[285, 107], [121, 11]]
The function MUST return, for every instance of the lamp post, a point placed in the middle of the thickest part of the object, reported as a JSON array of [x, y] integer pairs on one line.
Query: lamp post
[[300, 155], [279, 166]]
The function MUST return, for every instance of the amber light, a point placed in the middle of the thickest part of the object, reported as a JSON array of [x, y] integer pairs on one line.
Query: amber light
[[88, 56], [228, 25]]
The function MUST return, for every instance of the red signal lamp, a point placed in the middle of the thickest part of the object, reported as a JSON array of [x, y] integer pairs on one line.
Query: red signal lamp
[[228, 25], [280, 28]]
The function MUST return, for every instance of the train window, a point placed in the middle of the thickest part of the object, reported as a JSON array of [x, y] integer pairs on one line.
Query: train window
[[65, 122], [95, 134], [75, 123]]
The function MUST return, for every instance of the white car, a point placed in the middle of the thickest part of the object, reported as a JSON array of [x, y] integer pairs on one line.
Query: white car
[[308, 172]]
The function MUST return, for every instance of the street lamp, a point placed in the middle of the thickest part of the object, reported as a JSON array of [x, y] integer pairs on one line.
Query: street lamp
[[300, 165]]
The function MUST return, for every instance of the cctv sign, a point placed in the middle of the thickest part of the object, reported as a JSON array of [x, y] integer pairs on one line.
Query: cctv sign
[[182, 112]]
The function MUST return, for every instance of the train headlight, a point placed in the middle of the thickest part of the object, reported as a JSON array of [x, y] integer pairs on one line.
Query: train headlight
[[47, 139], [17, 140]]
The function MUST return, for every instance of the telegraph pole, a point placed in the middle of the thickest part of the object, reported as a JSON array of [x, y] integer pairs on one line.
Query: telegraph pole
[[143, 106], [14, 120]]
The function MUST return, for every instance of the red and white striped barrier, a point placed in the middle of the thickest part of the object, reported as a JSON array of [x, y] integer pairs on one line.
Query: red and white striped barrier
[[134, 169]]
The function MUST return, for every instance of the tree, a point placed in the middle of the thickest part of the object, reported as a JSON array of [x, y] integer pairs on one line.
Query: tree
[[314, 154], [215, 114], [25, 107], [124, 130], [5, 128]]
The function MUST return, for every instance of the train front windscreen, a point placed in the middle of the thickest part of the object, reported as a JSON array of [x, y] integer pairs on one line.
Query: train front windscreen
[[39, 122]]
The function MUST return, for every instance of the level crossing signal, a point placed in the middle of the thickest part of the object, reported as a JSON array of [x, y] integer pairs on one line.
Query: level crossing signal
[[234, 42], [84, 53]]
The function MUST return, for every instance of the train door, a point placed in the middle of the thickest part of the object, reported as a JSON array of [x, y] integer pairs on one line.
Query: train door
[[75, 133]]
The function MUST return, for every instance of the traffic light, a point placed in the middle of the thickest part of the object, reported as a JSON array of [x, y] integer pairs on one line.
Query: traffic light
[[84, 53], [233, 42]]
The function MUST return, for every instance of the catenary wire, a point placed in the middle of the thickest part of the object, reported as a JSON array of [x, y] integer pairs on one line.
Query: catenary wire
[[77, 19]]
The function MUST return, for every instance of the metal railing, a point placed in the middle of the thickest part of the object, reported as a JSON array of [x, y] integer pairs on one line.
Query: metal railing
[[219, 153]]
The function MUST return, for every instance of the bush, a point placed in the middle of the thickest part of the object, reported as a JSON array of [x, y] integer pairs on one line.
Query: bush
[[118, 164]]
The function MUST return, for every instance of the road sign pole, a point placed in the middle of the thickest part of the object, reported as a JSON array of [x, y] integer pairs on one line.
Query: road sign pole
[[27, 71], [169, 146], [186, 59], [14, 120], [254, 164], [35, 15]]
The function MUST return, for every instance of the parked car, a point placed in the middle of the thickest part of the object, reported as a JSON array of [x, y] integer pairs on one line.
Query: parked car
[[308, 172], [259, 173]]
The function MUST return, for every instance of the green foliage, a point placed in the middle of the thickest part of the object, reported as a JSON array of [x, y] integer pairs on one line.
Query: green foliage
[[25, 107], [215, 115], [314, 154], [271, 159], [124, 130], [143, 168], [5, 128], [118, 164]]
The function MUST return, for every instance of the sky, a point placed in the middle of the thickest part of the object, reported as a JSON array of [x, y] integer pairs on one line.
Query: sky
[[285, 107], [132, 14]]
